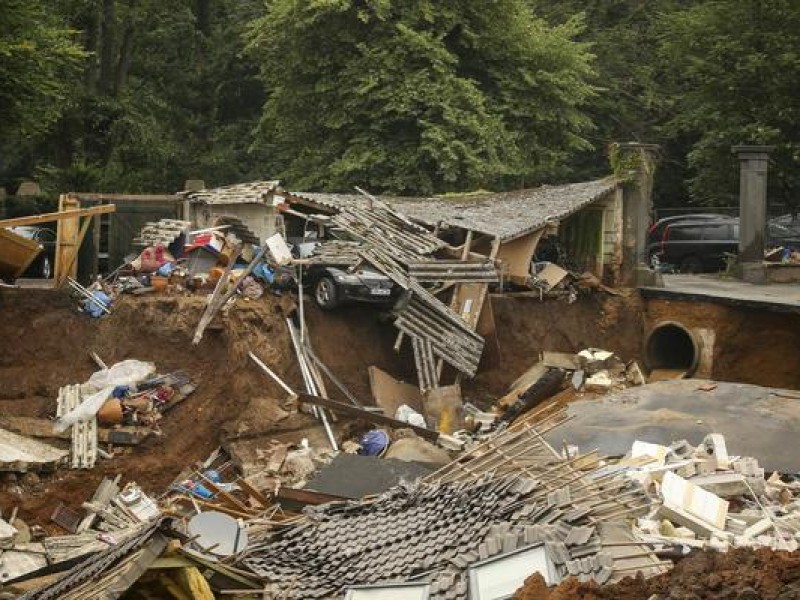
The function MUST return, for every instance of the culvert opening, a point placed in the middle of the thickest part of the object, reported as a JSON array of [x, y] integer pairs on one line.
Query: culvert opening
[[671, 346]]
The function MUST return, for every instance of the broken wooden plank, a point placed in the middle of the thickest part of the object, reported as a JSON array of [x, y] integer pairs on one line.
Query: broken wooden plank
[[218, 299], [371, 417], [523, 382], [57, 216], [560, 360], [306, 497], [43, 428]]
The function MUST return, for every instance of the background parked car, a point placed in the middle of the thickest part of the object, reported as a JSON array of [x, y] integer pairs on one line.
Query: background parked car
[[700, 246], [656, 231], [42, 265]]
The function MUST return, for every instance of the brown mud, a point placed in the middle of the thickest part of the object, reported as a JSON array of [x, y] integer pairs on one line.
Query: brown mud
[[750, 346], [741, 574]]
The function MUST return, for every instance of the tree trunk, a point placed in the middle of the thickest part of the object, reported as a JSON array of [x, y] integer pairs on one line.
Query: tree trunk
[[108, 48], [93, 24], [125, 57], [203, 15]]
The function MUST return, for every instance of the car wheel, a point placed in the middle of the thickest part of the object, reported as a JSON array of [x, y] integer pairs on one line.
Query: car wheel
[[326, 294], [46, 269], [691, 264]]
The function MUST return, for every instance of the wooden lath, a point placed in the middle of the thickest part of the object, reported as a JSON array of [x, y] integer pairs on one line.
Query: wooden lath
[[58, 216], [521, 450], [70, 232]]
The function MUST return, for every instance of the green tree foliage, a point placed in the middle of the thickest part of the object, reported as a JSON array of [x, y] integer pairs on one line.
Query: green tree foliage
[[417, 96], [162, 94], [631, 100], [734, 78], [38, 56], [408, 96]]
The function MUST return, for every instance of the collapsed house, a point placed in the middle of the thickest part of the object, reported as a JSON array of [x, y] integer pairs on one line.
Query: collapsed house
[[507, 227], [445, 253]]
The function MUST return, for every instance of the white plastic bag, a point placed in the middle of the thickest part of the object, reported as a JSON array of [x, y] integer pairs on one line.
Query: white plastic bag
[[84, 411], [126, 372], [406, 414], [101, 385]]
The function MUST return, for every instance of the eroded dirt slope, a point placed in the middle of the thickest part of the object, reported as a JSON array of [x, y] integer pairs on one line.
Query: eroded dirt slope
[[45, 345]]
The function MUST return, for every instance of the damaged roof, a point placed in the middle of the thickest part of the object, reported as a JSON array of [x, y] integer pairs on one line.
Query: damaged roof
[[505, 215], [239, 193], [109, 573], [408, 530], [435, 532]]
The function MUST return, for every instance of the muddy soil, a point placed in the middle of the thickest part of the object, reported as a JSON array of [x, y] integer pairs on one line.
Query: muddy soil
[[751, 346], [526, 326], [741, 574], [44, 344]]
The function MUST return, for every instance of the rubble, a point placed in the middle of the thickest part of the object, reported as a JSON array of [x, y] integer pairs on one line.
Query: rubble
[[431, 488], [695, 488]]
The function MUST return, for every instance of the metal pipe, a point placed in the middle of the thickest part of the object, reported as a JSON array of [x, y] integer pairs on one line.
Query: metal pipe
[[272, 374]]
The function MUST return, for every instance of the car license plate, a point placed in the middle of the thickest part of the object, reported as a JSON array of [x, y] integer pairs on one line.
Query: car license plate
[[380, 292]]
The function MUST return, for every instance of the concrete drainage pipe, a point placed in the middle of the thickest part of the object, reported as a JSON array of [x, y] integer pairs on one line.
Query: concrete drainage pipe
[[671, 346]]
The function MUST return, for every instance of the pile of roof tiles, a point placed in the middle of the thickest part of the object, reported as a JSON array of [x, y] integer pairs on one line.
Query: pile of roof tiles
[[433, 532], [405, 532]]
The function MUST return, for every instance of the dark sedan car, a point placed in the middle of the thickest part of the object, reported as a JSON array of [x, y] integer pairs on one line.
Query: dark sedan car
[[42, 265], [333, 286]]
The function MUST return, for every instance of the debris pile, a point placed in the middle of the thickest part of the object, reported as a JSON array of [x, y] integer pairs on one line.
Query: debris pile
[[476, 513], [705, 498], [175, 260], [590, 370], [740, 573], [118, 406], [424, 267]]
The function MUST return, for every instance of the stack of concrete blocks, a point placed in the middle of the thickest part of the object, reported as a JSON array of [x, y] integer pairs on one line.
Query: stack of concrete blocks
[[693, 487]]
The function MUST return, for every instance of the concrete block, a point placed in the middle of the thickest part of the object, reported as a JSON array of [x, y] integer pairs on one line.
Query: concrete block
[[724, 485], [700, 527], [746, 465], [599, 382], [705, 466], [713, 446], [678, 493], [758, 528], [682, 449], [736, 526]]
